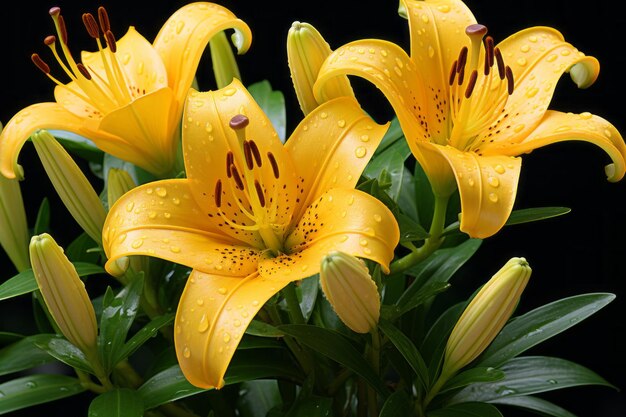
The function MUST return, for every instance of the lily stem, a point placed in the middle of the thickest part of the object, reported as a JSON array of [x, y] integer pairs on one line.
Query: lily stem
[[431, 244], [374, 360], [295, 313], [300, 354]]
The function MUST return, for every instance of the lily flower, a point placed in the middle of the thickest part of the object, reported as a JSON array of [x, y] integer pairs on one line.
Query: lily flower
[[127, 97], [252, 215], [469, 107]]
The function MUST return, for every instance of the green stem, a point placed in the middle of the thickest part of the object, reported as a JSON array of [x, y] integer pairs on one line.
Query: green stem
[[431, 244], [301, 356], [295, 313], [374, 360], [434, 390]]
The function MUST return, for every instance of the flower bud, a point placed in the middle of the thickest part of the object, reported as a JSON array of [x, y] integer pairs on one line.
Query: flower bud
[[64, 293], [306, 52], [13, 226], [119, 182], [73, 188], [224, 64], [349, 288], [485, 315]]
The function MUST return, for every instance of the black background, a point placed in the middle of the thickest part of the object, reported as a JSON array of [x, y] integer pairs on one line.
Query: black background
[[581, 252]]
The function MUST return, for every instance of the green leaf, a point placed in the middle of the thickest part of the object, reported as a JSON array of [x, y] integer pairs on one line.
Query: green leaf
[[79, 250], [61, 349], [535, 404], [137, 174], [142, 336], [408, 350], [6, 338], [336, 347], [24, 282], [471, 376], [36, 389], [256, 398], [469, 409], [273, 104], [255, 342], [396, 405], [42, 224], [78, 145], [410, 230], [408, 199], [120, 402], [307, 292], [530, 375], [540, 324], [259, 328], [117, 316], [425, 199], [312, 407], [435, 341], [423, 295], [391, 160], [393, 134], [24, 354]]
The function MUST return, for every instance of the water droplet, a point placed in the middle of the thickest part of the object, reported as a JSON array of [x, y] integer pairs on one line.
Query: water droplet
[[161, 192], [551, 58], [552, 381], [176, 201], [200, 301], [532, 39], [444, 8], [229, 92], [586, 115], [152, 215], [470, 182], [179, 329], [360, 151], [524, 48], [343, 238], [363, 242], [122, 237], [493, 197], [130, 206], [431, 52], [494, 182], [236, 323], [323, 115], [222, 290], [378, 218], [179, 26], [566, 52], [226, 337], [351, 200], [532, 92], [367, 251], [175, 249], [186, 352], [137, 243], [203, 326], [365, 138], [31, 384], [140, 68], [424, 18], [518, 128], [499, 169], [522, 61], [384, 52], [149, 191], [398, 71], [255, 303]]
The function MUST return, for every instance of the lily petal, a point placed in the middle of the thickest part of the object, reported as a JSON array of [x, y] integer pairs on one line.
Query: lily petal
[[213, 313], [183, 38], [487, 187], [345, 220], [163, 220], [339, 162], [536, 77], [558, 127], [23, 124]]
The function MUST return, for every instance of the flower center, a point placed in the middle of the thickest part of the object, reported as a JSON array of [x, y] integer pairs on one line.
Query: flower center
[[245, 185], [478, 91], [104, 90]]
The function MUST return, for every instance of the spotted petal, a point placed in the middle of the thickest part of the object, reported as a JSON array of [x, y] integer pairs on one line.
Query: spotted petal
[[163, 220], [487, 186], [213, 313], [183, 38]]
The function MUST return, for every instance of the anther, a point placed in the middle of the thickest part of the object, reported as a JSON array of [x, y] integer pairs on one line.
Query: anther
[[259, 192], [111, 41], [90, 24], [247, 153], [499, 62], [62, 29], [83, 71], [103, 17], [471, 83], [229, 161], [510, 84], [256, 153], [40, 63], [270, 157], [236, 177], [218, 193], [50, 40], [476, 29], [462, 60], [239, 122], [461, 75], [489, 50], [452, 75]]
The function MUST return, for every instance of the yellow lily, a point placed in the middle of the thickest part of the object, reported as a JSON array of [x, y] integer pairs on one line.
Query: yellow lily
[[468, 108], [128, 96], [252, 215]]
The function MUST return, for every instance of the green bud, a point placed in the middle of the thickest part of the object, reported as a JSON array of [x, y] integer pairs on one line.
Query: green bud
[[73, 188], [13, 226], [119, 182], [224, 63], [349, 288]]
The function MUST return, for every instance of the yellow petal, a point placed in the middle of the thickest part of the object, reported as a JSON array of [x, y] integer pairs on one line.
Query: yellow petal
[[207, 139], [213, 313], [183, 38], [558, 127], [344, 220], [142, 65], [161, 219], [487, 186], [147, 125], [536, 74], [331, 147], [23, 124]]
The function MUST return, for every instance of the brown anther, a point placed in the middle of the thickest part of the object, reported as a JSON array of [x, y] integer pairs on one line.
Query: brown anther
[[229, 161], [471, 83], [83, 70], [236, 177], [62, 29], [489, 47], [461, 75], [256, 153], [452, 75], [487, 68], [462, 60], [274, 164], [54, 11], [476, 29], [259, 192], [218, 193], [239, 122], [247, 153], [111, 41], [50, 40], [103, 17], [510, 83], [40, 63], [499, 62], [90, 24]]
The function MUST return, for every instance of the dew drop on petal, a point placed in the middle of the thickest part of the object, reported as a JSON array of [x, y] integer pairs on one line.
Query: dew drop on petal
[[499, 169], [203, 326], [137, 243], [494, 182], [360, 151], [222, 290], [226, 337], [186, 352], [493, 197]]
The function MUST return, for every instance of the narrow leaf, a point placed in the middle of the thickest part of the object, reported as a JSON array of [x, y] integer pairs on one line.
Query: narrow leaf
[[534, 214], [472, 376], [259, 328], [24, 354], [142, 336], [36, 389], [408, 350], [469, 409], [273, 104], [396, 405], [535, 404], [66, 352], [120, 402], [42, 222]]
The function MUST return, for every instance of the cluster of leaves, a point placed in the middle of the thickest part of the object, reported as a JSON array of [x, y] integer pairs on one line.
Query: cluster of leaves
[[136, 349]]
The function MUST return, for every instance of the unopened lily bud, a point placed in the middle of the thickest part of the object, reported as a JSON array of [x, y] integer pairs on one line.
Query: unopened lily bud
[[306, 52], [485, 315], [119, 182], [13, 226], [349, 288], [224, 64], [64, 293], [73, 188]]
